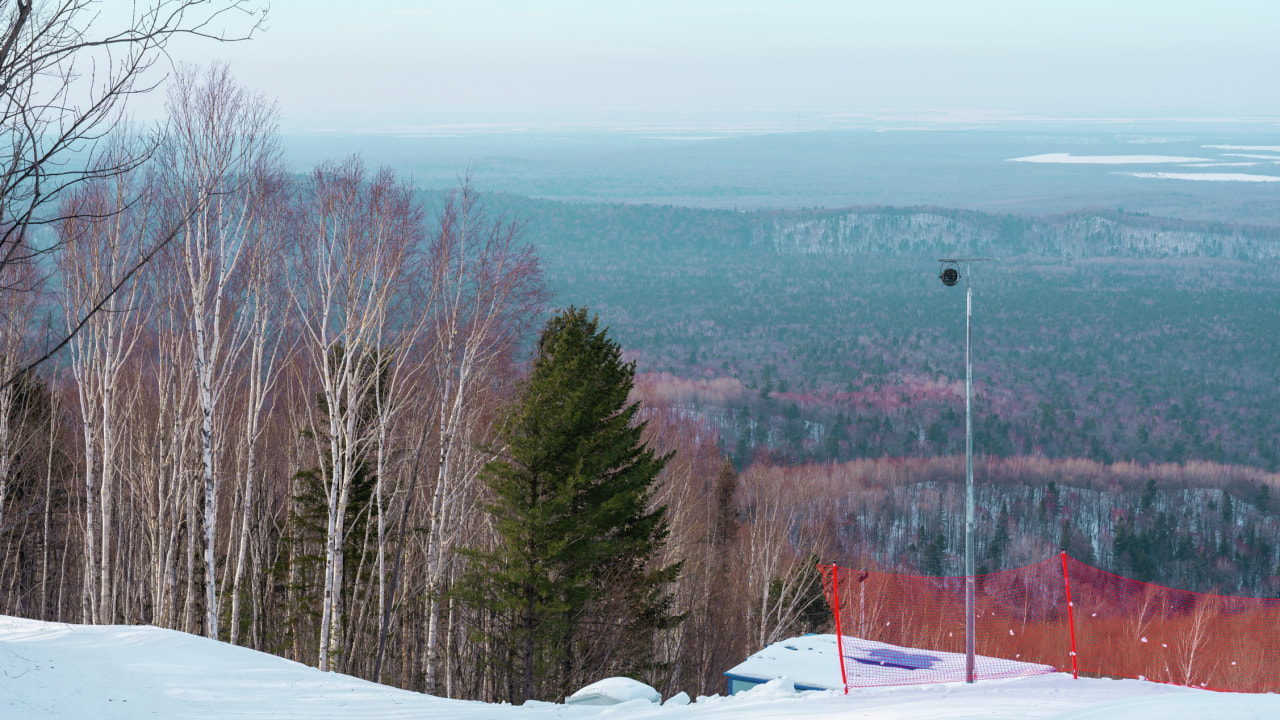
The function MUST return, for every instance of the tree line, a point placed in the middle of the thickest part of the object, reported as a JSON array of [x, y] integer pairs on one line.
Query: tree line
[[288, 416]]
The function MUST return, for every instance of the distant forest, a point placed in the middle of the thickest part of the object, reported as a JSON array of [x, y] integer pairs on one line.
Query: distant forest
[[824, 335], [1127, 374]]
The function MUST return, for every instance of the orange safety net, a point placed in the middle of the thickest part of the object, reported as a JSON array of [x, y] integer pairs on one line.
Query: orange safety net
[[1118, 627]]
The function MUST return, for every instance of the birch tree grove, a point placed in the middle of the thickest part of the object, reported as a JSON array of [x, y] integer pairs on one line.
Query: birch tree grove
[[104, 234], [488, 285], [217, 157], [17, 309], [66, 73], [354, 254], [279, 392]]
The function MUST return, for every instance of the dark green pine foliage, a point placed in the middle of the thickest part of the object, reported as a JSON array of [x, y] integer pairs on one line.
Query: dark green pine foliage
[[301, 570], [571, 586]]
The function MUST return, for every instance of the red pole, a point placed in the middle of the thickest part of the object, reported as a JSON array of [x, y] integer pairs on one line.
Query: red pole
[[835, 591], [1071, 617]]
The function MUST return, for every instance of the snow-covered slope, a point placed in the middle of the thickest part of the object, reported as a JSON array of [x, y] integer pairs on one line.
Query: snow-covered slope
[[50, 670]]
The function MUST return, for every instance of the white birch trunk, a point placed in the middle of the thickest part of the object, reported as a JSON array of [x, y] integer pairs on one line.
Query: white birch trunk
[[353, 261], [221, 139]]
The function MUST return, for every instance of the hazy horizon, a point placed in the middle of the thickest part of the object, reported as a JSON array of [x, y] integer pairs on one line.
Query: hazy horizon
[[496, 65]]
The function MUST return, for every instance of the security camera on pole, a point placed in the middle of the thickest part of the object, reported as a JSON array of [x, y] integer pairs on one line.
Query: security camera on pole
[[950, 275]]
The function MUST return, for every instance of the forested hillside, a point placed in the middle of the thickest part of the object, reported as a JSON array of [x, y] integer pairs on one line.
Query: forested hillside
[[1200, 526], [1110, 350], [824, 335]]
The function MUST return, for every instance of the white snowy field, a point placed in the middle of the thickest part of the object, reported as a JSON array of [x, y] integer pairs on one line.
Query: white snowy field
[[1069, 159], [54, 670]]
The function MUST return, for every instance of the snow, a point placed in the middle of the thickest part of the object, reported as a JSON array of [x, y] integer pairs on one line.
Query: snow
[[1069, 159], [53, 670], [612, 691], [813, 661], [1263, 148], [1208, 177]]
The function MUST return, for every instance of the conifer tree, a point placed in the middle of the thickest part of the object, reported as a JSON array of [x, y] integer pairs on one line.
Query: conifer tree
[[571, 580]]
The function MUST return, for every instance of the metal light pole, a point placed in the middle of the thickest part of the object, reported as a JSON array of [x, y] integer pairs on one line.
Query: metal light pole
[[950, 275]]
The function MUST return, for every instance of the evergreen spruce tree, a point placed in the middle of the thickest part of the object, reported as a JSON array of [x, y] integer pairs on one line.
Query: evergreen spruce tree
[[571, 580], [301, 570]]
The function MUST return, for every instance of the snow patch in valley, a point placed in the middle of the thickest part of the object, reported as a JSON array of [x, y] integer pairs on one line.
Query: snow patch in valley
[[1222, 164], [1069, 159], [1206, 177], [1263, 148]]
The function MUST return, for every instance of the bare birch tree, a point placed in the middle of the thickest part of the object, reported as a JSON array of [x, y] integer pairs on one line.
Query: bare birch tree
[[778, 536], [66, 73], [265, 284], [352, 258], [17, 310], [103, 233], [220, 146], [489, 289]]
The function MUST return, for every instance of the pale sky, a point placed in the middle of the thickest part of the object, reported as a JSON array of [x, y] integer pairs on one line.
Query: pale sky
[[385, 65]]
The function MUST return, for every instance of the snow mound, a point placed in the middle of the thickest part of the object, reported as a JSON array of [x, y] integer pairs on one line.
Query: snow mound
[[680, 698], [776, 688], [614, 691]]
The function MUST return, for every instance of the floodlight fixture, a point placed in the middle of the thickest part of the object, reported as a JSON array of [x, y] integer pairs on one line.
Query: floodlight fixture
[[950, 275]]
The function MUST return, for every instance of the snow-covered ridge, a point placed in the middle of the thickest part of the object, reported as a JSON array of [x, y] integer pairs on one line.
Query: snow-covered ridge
[[897, 232]]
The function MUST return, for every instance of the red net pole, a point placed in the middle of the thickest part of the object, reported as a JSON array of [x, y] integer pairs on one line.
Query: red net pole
[[1071, 617], [835, 592]]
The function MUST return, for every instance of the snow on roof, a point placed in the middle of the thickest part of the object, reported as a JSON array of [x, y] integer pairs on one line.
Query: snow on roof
[[813, 663]]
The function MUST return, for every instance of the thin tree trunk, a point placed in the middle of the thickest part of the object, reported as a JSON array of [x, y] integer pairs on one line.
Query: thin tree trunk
[[106, 613], [243, 550], [189, 610], [400, 547], [48, 507]]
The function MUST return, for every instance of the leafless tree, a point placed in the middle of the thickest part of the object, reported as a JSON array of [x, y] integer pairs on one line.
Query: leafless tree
[[19, 309], [777, 536], [489, 287], [219, 158], [262, 359], [66, 73], [103, 233], [352, 257]]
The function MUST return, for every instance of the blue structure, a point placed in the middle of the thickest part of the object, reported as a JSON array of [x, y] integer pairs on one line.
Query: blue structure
[[811, 661]]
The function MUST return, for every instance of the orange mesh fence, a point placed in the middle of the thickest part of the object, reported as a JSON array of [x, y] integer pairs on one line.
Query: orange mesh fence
[[1024, 622]]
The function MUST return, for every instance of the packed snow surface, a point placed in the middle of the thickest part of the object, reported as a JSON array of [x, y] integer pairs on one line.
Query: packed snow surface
[[53, 670]]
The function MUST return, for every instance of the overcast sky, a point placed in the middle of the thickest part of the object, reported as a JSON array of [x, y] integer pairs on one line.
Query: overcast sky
[[379, 65]]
